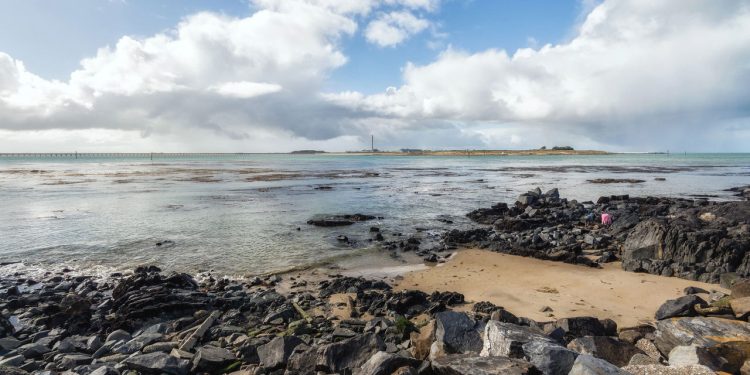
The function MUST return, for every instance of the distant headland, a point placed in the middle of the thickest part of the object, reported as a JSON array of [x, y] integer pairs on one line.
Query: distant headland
[[557, 150]]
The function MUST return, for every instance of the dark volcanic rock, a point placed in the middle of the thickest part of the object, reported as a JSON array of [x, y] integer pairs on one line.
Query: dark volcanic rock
[[338, 220], [157, 363], [383, 363], [585, 326], [211, 358], [458, 332], [276, 353], [607, 348], [683, 306], [349, 354]]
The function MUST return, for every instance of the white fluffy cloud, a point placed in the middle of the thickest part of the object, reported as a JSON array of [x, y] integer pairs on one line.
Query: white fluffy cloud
[[637, 74], [638, 65], [391, 29]]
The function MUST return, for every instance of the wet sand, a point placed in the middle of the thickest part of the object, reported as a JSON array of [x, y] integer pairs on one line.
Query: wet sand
[[524, 286]]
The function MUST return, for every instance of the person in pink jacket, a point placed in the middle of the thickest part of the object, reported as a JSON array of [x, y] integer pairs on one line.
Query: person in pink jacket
[[606, 219]]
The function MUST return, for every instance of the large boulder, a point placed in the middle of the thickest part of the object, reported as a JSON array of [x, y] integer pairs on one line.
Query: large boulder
[[469, 364], [586, 326], [383, 363], [727, 339], [514, 341], [740, 288], [422, 340], [549, 358], [645, 241], [683, 306], [607, 348], [694, 355], [210, 358], [590, 365], [458, 333], [348, 354], [276, 353], [740, 307], [507, 340]]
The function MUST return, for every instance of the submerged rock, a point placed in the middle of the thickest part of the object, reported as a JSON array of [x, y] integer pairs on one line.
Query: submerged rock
[[338, 220]]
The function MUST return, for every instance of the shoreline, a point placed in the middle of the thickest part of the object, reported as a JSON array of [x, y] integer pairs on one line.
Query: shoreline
[[550, 292], [525, 286]]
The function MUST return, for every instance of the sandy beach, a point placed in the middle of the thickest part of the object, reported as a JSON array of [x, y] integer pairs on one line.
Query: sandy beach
[[525, 285]]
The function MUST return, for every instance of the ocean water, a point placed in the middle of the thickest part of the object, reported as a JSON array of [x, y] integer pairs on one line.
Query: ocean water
[[246, 214]]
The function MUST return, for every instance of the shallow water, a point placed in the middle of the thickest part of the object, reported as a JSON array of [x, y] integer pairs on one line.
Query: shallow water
[[239, 214]]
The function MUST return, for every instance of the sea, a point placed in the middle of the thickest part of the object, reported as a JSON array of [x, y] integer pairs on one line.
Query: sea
[[246, 214]]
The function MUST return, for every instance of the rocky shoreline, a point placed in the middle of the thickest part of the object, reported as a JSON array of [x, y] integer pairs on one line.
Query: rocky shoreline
[[150, 322], [694, 239]]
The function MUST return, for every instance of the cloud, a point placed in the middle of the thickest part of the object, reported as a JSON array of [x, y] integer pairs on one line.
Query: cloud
[[391, 29], [635, 74], [635, 67], [244, 89]]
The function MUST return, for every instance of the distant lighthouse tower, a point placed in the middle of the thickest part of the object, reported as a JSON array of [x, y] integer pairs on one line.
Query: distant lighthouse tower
[[372, 143]]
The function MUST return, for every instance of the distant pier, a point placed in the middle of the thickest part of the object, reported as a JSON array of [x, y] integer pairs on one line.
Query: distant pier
[[101, 155]]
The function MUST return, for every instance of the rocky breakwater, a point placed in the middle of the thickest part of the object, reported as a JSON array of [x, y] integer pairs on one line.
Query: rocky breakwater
[[693, 239], [153, 323]]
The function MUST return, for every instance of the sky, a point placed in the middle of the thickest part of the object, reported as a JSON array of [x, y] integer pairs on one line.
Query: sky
[[282, 75]]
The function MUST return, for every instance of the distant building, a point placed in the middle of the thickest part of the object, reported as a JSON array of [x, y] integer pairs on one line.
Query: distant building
[[411, 150], [563, 148]]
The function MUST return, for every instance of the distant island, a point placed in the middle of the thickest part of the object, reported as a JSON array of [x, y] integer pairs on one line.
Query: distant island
[[557, 150], [307, 152]]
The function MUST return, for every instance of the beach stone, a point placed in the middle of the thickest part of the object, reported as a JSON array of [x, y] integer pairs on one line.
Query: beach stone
[[683, 306], [422, 340], [693, 355], [458, 332], [668, 370], [740, 288], [630, 335], [589, 365], [607, 348], [649, 348], [302, 361], [105, 370], [210, 358], [157, 363], [740, 306], [165, 347], [642, 359], [11, 370], [118, 335], [701, 331], [9, 343], [13, 361], [507, 340], [726, 279], [349, 354], [694, 290], [32, 350], [469, 364], [70, 361], [548, 357], [526, 199], [382, 363], [585, 326], [275, 354]]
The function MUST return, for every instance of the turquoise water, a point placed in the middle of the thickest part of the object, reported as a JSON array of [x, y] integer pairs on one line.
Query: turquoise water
[[240, 213]]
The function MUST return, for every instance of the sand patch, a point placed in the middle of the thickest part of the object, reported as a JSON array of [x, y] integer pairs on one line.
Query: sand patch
[[524, 286]]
